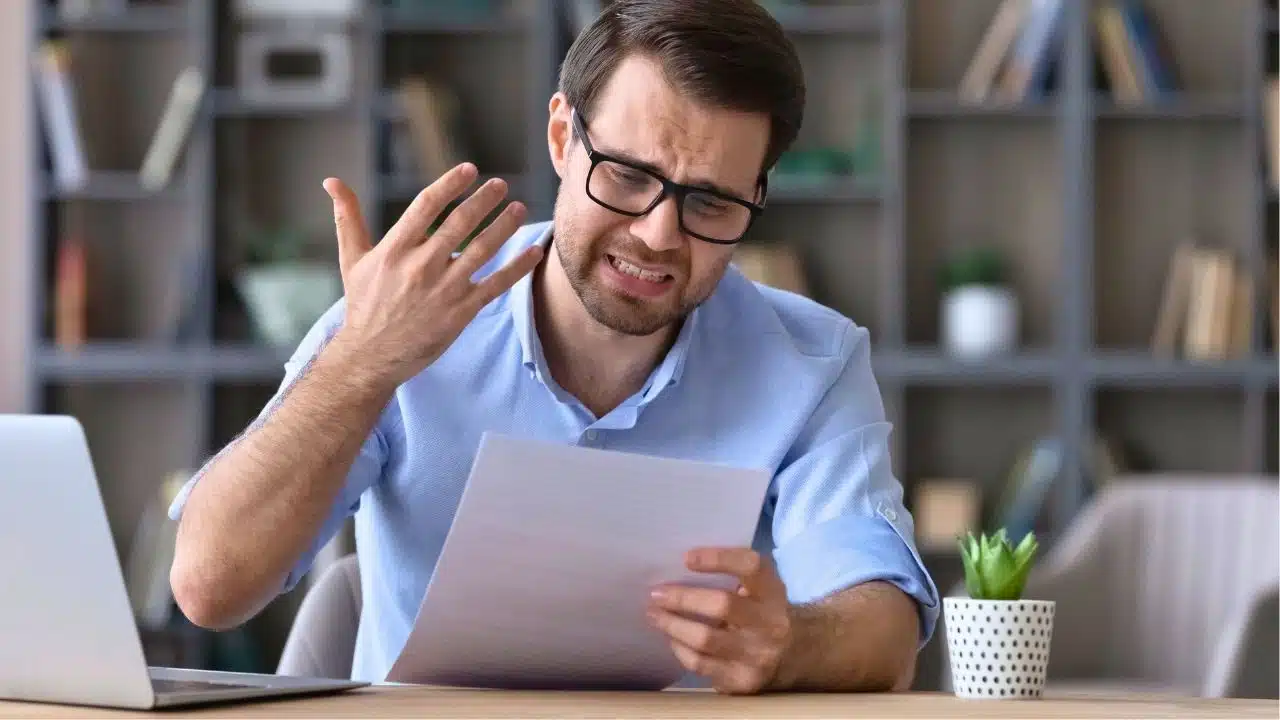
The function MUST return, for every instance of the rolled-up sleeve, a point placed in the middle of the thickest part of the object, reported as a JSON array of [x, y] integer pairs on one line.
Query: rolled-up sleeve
[[838, 517], [365, 469]]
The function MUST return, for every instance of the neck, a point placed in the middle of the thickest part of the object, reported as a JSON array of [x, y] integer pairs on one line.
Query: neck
[[597, 365]]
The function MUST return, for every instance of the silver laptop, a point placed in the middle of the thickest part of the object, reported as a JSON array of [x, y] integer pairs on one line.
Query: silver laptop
[[67, 630]]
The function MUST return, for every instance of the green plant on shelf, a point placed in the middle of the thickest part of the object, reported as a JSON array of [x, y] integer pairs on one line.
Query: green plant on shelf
[[993, 568], [283, 244], [982, 266]]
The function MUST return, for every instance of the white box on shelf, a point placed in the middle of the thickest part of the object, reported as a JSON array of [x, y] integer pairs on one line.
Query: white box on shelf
[[297, 9], [280, 67]]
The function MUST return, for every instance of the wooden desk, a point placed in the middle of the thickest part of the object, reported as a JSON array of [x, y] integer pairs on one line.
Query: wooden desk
[[419, 702]]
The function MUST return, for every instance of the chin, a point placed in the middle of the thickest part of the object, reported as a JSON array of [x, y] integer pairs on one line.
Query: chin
[[629, 315]]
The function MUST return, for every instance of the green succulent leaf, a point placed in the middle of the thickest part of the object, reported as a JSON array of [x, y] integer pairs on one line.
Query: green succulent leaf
[[993, 568]]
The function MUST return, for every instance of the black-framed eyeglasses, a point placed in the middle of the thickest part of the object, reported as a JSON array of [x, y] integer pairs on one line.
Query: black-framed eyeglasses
[[632, 190]]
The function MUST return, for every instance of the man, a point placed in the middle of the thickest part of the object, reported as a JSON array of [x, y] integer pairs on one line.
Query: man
[[620, 324]]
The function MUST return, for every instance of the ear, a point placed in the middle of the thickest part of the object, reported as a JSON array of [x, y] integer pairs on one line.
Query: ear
[[559, 131]]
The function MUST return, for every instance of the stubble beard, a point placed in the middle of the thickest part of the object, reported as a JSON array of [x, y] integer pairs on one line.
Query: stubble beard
[[579, 257]]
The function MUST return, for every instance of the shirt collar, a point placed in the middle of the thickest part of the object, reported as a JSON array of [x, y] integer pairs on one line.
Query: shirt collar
[[668, 372]]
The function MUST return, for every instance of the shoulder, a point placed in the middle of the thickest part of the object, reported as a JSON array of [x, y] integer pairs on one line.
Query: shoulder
[[761, 317]]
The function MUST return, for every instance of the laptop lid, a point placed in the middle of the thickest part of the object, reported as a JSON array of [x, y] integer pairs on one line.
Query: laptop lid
[[67, 626]]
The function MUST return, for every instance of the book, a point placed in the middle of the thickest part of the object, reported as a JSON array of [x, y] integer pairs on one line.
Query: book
[[431, 112], [1240, 332], [1175, 302], [981, 74], [1117, 54], [1209, 316], [70, 301], [57, 100], [777, 266], [1152, 59], [945, 509], [1035, 53], [176, 120]]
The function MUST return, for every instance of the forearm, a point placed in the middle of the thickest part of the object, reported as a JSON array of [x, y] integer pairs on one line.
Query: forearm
[[862, 639], [260, 503]]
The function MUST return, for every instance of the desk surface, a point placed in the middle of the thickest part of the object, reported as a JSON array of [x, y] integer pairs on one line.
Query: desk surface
[[392, 701]]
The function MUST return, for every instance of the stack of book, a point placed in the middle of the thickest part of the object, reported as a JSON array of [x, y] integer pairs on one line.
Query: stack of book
[[1207, 310], [1017, 58]]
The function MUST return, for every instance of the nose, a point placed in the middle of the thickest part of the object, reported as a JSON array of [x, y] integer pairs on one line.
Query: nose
[[660, 227]]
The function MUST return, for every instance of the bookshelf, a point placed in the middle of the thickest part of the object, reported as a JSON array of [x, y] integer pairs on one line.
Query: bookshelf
[[1086, 197]]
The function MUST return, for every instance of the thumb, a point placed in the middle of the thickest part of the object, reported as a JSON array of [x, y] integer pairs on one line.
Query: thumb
[[353, 236]]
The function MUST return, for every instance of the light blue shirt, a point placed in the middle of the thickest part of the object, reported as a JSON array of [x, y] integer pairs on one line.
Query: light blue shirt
[[757, 378]]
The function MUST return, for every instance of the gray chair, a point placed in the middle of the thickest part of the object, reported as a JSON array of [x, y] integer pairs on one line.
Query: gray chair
[[1166, 584], [323, 637]]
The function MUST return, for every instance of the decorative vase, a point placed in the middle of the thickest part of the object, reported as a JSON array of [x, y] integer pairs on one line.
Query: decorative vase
[[980, 321], [285, 299], [998, 649]]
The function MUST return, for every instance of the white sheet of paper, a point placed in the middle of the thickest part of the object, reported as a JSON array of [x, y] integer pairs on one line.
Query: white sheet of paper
[[544, 578]]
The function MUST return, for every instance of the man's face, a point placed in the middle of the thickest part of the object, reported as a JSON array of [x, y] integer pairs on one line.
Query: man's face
[[637, 275]]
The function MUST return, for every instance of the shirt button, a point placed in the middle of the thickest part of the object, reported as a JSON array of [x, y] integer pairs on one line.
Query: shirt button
[[591, 435], [890, 514]]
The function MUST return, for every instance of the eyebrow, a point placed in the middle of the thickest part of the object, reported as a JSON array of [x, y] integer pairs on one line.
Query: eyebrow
[[701, 184]]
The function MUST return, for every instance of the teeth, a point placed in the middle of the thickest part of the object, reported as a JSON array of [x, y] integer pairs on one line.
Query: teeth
[[632, 270]]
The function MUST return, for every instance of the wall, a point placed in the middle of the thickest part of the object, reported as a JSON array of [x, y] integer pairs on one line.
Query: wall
[[15, 259]]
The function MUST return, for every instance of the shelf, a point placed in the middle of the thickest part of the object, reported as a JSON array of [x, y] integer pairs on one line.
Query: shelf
[[123, 361], [425, 22], [228, 103], [132, 21], [1205, 107], [112, 186], [835, 190], [860, 20], [926, 367], [1133, 369], [940, 105]]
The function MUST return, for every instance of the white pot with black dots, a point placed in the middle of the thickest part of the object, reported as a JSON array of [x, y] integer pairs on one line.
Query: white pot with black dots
[[998, 649]]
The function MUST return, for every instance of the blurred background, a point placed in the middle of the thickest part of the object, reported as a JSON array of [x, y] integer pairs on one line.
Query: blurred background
[[1056, 217]]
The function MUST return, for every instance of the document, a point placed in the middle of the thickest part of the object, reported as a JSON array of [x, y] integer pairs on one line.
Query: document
[[543, 580]]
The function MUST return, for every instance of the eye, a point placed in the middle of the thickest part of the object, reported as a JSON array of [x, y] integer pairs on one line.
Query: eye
[[628, 176], [707, 205]]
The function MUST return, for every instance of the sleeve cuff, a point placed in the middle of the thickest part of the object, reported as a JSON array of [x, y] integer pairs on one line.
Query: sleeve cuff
[[850, 550]]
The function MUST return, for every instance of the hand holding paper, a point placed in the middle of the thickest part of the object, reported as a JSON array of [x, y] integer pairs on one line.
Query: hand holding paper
[[545, 577], [735, 638]]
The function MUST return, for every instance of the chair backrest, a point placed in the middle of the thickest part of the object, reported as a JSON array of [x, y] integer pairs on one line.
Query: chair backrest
[[323, 637], [1180, 558]]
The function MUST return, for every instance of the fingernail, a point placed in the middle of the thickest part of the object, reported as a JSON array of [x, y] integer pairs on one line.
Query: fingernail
[[658, 594]]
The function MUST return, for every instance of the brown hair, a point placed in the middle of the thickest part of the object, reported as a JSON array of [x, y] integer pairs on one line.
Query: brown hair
[[726, 53]]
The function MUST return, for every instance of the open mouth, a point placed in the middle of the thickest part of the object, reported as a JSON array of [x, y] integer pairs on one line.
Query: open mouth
[[636, 271]]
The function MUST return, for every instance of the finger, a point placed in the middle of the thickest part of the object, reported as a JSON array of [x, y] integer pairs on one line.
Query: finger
[[706, 639], [353, 235], [467, 216], [717, 606], [410, 228], [725, 675], [500, 280], [485, 244], [752, 569]]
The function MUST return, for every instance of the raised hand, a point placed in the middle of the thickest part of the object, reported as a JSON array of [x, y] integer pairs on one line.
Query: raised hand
[[737, 640], [408, 298]]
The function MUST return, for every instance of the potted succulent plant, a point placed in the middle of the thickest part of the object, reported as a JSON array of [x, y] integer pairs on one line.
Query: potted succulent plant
[[997, 641], [287, 283], [979, 308]]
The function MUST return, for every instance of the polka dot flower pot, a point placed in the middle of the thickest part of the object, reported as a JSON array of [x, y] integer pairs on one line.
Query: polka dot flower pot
[[998, 649]]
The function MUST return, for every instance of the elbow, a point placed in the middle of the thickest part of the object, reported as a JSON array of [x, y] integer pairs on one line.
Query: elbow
[[208, 598], [198, 598]]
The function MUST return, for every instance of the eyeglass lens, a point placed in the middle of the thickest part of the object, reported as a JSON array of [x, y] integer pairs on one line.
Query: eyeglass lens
[[630, 190]]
